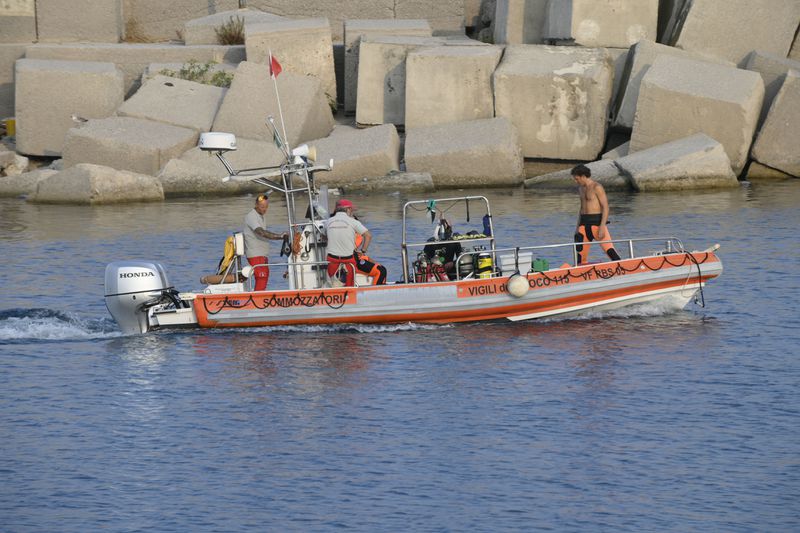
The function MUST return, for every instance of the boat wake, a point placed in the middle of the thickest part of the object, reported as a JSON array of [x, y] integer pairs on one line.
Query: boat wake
[[47, 324]]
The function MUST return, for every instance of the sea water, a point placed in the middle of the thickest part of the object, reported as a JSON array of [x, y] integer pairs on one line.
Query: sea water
[[645, 419]]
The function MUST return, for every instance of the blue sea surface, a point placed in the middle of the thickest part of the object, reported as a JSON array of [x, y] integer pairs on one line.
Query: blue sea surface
[[636, 420]]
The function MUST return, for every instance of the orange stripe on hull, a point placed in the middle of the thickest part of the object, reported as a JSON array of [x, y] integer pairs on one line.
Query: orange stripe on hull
[[470, 315]]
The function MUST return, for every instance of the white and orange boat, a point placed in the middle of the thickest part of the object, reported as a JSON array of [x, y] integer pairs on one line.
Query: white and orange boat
[[486, 282]]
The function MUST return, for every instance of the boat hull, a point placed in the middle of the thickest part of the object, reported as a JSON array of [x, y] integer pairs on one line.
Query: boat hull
[[673, 278]]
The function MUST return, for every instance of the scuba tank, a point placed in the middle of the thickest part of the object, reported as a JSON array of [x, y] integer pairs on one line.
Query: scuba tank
[[484, 265]]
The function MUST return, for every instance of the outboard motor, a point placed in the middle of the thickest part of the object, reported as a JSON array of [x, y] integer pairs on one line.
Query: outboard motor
[[132, 288]]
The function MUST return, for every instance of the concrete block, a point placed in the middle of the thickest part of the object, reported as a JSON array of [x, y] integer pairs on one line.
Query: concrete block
[[181, 178], [12, 164], [557, 97], [204, 30], [757, 171], [679, 97], [358, 154], [640, 58], [79, 20], [133, 59], [448, 84], [773, 70], [126, 143], [540, 167], [149, 21], [778, 142], [197, 174], [605, 172], [476, 153], [17, 28], [301, 46], [392, 182], [602, 23], [731, 29], [175, 101], [382, 77], [794, 53], [519, 21], [694, 162], [173, 69], [619, 58], [472, 13], [357, 30], [50, 93], [668, 13], [23, 184], [444, 16], [620, 151], [9, 53], [95, 184], [251, 99]]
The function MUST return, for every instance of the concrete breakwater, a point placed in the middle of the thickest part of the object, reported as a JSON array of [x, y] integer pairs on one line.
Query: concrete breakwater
[[656, 95]]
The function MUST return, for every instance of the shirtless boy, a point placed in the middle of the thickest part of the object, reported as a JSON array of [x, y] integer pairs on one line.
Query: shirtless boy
[[593, 216]]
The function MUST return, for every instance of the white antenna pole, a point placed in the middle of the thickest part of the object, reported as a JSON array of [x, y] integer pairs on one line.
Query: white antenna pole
[[280, 109]]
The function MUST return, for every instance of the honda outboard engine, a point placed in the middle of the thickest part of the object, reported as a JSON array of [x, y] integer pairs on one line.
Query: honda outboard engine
[[132, 288]]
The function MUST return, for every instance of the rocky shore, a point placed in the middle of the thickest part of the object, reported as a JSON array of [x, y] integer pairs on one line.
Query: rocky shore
[[105, 103]]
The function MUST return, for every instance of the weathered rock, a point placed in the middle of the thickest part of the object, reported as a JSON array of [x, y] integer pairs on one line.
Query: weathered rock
[[79, 20], [778, 142], [679, 97], [640, 59], [520, 21], [133, 59], [204, 30], [50, 93], [148, 21], [597, 23], [358, 154], [23, 184], [695, 162], [198, 173], [475, 153], [438, 92], [301, 46], [731, 29], [356, 30], [12, 164], [773, 70], [126, 143], [392, 182], [557, 97], [175, 101], [251, 99], [382, 77], [605, 172], [757, 171], [95, 184]]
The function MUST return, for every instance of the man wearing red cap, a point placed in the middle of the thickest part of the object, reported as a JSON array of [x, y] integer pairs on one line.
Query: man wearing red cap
[[341, 230]]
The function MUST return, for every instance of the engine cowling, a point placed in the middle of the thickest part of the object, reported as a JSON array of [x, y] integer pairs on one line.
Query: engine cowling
[[131, 289]]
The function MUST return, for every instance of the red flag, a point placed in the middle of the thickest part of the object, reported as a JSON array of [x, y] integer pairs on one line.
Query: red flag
[[274, 66]]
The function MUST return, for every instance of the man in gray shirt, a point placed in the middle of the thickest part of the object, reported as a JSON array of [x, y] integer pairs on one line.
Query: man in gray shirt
[[341, 230], [256, 240]]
